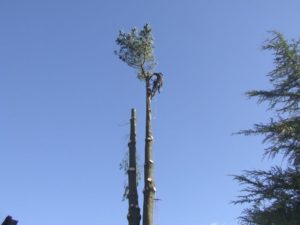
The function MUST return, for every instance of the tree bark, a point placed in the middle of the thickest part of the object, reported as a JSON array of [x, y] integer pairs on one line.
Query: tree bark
[[133, 216], [149, 186]]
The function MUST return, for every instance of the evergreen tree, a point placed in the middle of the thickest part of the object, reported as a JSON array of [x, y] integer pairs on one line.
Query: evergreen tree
[[136, 50], [274, 195]]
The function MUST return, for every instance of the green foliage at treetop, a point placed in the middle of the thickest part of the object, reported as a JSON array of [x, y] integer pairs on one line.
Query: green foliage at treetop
[[274, 195], [136, 50]]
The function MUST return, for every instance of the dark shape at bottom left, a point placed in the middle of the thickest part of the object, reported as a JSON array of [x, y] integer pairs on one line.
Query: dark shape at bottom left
[[9, 221]]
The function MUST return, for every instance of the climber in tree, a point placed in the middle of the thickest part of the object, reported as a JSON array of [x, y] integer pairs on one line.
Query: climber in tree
[[157, 83]]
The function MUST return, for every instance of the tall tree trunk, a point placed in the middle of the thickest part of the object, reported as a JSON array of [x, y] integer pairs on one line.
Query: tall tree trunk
[[149, 185], [134, 216]]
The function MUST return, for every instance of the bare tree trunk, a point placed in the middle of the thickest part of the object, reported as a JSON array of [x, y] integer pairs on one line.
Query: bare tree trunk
[[149, 185], [134, 216]]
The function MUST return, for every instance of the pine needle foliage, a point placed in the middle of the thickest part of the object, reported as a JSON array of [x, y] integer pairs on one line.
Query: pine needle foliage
[[274, 195], [285, 78], [136, 50]]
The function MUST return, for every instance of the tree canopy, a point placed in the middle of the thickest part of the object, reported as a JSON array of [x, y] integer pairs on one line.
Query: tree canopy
[[274, 195], [136, 49]]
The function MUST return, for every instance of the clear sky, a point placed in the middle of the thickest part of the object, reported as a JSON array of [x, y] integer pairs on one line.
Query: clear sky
[[65, 102]]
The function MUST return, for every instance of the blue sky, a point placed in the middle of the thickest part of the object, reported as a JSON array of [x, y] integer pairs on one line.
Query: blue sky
[[66, 99]]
